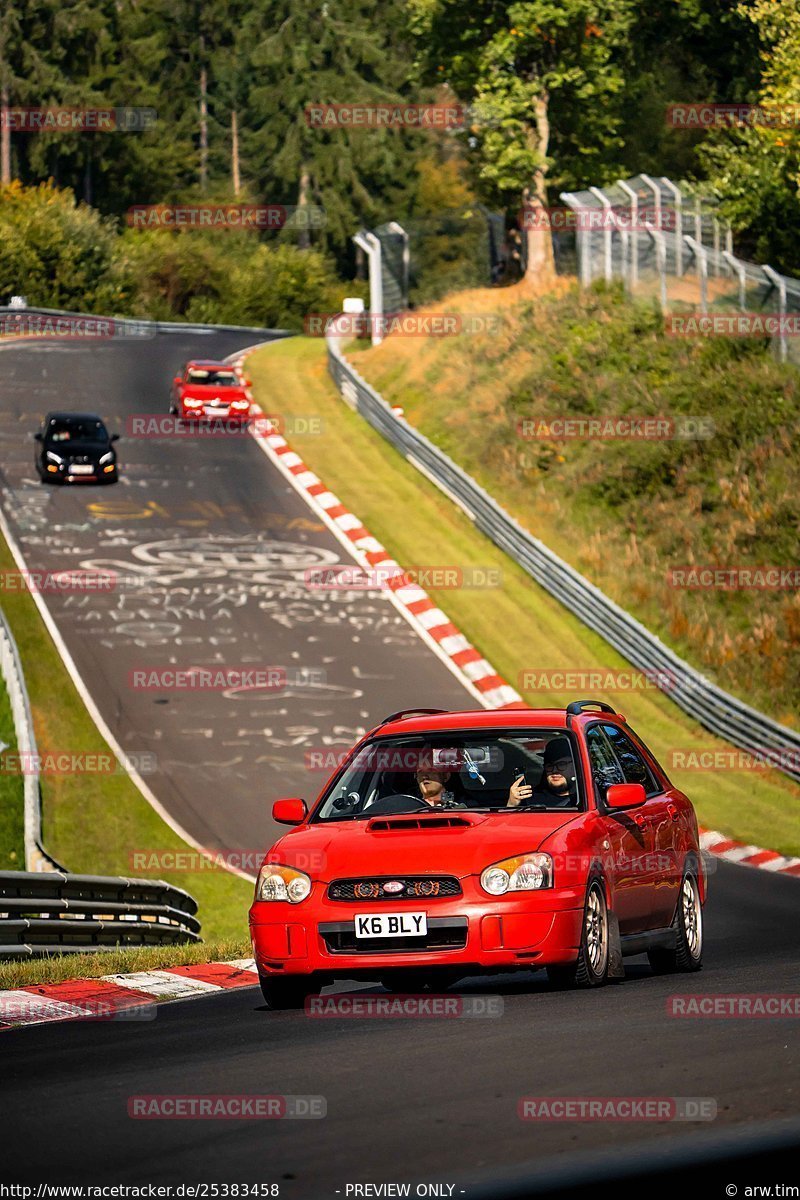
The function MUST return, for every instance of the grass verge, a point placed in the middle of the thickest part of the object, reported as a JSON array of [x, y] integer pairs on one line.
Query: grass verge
[[57, 968], [12, 799], [628, 512], [518, 626], [92, 823]]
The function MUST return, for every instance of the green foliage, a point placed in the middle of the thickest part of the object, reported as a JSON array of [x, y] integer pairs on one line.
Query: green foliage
[[54, 251], [61, 254]]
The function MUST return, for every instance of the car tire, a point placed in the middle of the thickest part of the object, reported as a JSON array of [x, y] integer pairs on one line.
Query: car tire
[[286, 992], [590, 968], [688, 926]]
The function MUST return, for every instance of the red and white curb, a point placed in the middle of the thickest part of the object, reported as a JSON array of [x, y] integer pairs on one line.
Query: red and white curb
[[120, 997], [478, 675], [435, 628], [747, 856]]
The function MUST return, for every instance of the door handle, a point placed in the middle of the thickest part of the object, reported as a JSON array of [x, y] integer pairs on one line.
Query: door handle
[[673, 812], [640, 819]]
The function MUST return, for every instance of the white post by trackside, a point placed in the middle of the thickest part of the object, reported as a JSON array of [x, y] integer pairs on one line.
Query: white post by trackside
[[738, 269], [634, 238], [779, 282], [371, 246], [701, 254], [678, 198], [608, 268]]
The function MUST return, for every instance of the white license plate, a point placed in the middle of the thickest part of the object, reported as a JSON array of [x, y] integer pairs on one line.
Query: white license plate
[[216, 412], [401, 924], [80, 470]]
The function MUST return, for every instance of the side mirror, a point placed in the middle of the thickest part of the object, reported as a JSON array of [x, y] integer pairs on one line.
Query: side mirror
[[114, 437], [248, 383], [177, 380], [38, 437], [625, 795], [289, 812]]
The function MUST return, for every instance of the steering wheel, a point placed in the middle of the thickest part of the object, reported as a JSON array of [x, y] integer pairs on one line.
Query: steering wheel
[[400, 802]]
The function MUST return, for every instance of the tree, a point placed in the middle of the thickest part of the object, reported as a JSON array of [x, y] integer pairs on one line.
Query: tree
[[544, 79], [326, 53], [755, 169]]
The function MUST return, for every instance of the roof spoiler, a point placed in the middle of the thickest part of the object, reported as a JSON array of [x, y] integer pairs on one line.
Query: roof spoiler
[[578, 707], [413, 712]]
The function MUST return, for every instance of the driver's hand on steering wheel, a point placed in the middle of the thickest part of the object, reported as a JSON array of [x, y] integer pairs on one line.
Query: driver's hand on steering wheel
[[520, 790]]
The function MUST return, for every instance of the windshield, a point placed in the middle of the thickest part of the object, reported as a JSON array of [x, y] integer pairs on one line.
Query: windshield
[[75, 429], [209, 377], [525, 770]]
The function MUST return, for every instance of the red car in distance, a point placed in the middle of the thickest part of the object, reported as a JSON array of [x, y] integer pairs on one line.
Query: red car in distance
[[209, 390], [547, 838]]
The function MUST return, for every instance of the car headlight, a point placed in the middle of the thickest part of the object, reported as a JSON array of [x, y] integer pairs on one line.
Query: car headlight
[[276, 882], [191, 402], [523, 873], [106, 457], [55, 457]]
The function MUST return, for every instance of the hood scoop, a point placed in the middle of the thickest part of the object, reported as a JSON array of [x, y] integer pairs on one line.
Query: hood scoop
[[405, 824]]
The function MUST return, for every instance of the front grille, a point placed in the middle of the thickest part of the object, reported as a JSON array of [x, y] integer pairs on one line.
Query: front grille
[[415, 887], [443, 934], [82, 460]]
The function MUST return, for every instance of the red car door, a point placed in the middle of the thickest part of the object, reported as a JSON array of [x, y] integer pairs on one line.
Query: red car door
[[628, 858], [662, 816]]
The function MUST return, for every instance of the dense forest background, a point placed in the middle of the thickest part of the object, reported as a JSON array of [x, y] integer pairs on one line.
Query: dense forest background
[[559, 94]]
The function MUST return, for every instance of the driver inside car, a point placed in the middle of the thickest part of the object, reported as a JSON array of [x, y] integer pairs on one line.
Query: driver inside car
[[432, 787]]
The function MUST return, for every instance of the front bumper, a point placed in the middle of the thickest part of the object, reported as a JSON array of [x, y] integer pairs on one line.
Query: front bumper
[[470, 931]]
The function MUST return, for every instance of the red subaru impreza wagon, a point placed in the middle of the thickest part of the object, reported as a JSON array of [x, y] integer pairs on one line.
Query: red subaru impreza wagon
[[450, 844]]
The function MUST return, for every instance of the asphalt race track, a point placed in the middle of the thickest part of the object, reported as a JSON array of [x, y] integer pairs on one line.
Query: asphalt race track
[[220, 542], [212, 544], [413, 1100]]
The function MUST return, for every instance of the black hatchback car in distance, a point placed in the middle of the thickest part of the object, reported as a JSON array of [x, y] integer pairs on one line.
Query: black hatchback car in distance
[[75, 448]]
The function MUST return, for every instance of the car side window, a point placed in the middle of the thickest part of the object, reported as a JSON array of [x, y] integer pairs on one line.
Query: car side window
[[605, 768], [634, 768]]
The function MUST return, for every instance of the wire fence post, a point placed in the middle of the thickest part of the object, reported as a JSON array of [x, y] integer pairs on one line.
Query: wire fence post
[[634, 240], [678, 197], [738, 269], [608, 266], [583, 239], [779, 282], [661, 265], [701, 255]]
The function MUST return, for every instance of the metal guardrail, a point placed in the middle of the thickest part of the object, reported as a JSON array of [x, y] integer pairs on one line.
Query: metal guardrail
[[132, 327], [713, 708], [54, 913], [36, 857]]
